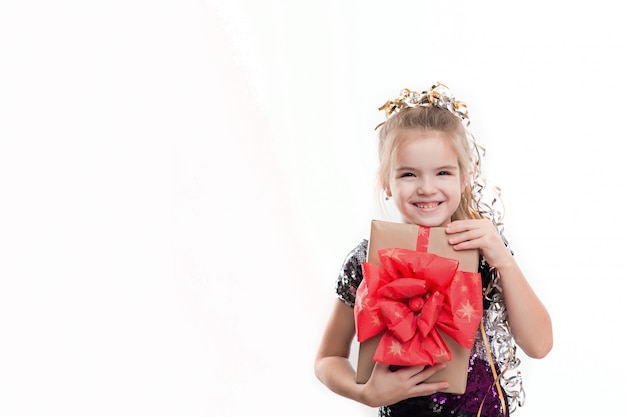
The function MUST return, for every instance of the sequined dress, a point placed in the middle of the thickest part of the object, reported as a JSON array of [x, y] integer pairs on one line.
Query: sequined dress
[[481, 392]]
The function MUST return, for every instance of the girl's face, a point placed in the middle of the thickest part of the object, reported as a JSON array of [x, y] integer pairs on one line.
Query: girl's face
[[425, 180]]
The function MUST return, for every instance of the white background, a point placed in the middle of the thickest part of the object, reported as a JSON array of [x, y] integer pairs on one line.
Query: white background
[[181, 180]]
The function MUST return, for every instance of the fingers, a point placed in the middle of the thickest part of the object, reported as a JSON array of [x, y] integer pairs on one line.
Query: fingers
[[410, 371], [422, 388], [387, 386], [461, 226], [422, 373], [458, 226], [463, 231], [426, 389], [466, 236], [472, 234]]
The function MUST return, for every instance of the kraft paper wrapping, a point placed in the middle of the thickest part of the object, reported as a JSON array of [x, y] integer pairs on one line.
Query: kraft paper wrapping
[[434, 241]]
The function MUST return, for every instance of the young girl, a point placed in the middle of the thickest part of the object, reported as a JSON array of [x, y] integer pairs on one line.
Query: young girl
[[430, 167]]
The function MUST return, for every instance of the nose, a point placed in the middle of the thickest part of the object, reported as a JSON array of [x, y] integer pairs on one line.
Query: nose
[[426, 186]]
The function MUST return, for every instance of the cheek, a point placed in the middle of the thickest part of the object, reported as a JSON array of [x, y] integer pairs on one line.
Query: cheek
[[454, 190], [395, 185]]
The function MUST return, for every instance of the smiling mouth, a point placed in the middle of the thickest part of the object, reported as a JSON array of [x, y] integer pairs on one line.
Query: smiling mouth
[[426, 205]]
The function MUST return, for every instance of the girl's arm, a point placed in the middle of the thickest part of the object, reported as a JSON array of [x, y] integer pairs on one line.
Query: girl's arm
[[333, 368], [529, 320], [332, 365]]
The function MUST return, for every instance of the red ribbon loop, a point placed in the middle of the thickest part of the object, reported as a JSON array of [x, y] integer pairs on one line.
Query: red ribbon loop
[[411, 297]]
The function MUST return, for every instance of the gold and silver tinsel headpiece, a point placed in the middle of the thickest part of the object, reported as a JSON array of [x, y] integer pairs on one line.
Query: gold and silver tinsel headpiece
[[488, 202], [439, 95]]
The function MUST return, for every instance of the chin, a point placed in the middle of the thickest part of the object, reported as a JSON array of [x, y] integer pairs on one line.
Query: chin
[[425, 223], [433, 224]]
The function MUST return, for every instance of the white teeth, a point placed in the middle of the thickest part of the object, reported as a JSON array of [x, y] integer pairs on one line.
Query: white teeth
[[429, 205]]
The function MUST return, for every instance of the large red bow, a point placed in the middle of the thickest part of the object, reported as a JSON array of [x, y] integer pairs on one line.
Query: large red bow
[[412, 297]]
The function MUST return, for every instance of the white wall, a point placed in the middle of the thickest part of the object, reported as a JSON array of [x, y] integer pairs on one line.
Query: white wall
[[181, 180]]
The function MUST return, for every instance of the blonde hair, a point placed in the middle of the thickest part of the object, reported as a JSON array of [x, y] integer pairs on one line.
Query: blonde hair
[[428, 118]]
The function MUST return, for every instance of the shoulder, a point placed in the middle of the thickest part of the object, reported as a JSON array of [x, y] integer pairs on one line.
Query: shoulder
[[358, 253], [351, 274]]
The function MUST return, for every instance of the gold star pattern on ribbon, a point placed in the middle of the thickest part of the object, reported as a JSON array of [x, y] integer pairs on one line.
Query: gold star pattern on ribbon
[[395, 348], [476, 279], [467, 311], [441, 356], [394, 254]]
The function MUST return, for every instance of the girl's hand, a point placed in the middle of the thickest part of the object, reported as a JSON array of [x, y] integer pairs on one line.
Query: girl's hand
[[387, 387], [480, 234]]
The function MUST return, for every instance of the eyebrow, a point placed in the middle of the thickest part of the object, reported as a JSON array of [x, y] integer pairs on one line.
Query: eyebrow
[[445, 167]]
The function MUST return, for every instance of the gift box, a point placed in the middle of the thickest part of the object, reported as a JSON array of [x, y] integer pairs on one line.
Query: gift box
[[420, 302]]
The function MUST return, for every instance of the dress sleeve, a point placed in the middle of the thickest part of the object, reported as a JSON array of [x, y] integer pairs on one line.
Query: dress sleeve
[[488, 274], [351, 274]]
